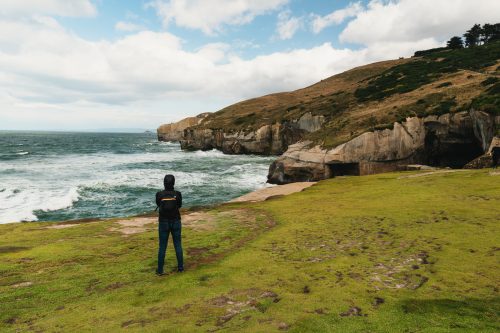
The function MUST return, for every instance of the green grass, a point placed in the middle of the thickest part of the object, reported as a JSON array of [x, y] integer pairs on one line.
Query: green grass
[[382, 253]]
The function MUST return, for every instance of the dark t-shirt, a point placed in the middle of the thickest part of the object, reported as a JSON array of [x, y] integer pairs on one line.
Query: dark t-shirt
[[168, 193]]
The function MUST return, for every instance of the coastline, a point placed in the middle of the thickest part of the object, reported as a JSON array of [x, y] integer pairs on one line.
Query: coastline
[[189, 215]]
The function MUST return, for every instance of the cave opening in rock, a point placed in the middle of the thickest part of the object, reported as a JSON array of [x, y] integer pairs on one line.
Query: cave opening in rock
[[343, 169], [452, 151]]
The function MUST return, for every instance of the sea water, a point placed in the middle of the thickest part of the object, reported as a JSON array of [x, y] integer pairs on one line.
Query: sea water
[[54, 176]]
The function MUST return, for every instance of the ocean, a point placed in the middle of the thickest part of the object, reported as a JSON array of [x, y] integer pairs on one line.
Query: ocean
[[55, 176]]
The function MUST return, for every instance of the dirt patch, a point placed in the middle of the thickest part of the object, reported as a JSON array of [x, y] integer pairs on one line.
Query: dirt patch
[[273, 191], [11, 249], [72, 223], [133, 225], [116, 285], [22, 284], [495, 173], [353, 311], [197, 251], [200, 221], [61, 226], [377, 301], [137, 322], [240, 301], [431, 173]]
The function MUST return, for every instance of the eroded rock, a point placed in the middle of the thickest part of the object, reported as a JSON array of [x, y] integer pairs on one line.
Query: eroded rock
[[447, 140]]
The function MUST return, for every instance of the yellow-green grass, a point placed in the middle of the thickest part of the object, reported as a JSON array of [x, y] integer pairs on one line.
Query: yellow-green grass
[[382, 253]]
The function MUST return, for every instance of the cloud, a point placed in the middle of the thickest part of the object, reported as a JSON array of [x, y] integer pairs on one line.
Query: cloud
[[321, 22], [410, 20], [73, 8], [210, 16], [288, 25], [128, 26], [52, 78]]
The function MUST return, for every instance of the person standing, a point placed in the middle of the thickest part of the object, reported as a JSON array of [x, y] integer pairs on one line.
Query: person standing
[[169, 222]]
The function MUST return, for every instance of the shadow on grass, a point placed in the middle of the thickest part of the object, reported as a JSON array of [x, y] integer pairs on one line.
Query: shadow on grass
[[447, 313], [413, 315]]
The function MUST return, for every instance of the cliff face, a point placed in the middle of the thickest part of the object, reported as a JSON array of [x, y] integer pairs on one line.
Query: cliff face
[[266, 140], [175, 131], [447, 140], [375, 118]]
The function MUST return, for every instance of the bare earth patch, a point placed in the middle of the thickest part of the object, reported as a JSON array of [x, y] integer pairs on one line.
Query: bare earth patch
[[201, 221], [431, 173], [61, 226], [268, 192], [22, 284], [134, 225]]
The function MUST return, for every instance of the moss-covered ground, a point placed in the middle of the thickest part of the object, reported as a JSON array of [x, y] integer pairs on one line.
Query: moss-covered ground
[[398, 252]]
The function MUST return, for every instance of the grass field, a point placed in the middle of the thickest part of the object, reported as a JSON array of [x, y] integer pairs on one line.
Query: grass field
[[398, 252]]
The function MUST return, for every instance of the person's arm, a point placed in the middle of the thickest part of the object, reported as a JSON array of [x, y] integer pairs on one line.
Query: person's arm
[[158, 199], [179, 199]]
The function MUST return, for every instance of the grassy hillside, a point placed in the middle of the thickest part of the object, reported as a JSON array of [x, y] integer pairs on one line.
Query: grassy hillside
[[399, 252], [374, 96]]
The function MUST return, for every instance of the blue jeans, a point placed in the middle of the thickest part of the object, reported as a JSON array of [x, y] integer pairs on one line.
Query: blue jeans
[[164, 229]]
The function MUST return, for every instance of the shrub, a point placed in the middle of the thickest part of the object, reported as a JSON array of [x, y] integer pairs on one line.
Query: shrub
[[489, 81], [412, 75]]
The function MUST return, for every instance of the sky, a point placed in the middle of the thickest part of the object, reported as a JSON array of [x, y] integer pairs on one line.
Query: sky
[[93, 64]]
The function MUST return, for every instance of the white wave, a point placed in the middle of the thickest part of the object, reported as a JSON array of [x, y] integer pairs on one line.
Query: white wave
[[51, 183], [64, 200], [20, 205], [210, 153]]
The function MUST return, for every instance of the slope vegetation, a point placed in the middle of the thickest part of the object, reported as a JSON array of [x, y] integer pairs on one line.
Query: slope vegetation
[[375, 96]]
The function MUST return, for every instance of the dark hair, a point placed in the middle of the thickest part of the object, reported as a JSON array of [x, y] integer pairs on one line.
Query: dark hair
[[169, 181]]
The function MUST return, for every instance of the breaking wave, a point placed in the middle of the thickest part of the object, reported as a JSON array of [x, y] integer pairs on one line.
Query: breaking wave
[[81, 175]]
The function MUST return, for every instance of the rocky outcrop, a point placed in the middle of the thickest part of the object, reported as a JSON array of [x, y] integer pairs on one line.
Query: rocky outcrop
[[484, 128], [266, 140], [175, 131], [447, 140], [485, 160]]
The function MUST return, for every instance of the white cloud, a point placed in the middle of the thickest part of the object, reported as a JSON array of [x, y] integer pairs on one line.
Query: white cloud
[[410, 20], [47, 73], [321, 22], [52, 78], [210, 16], [47, 7], [128, 26], [288, 25]]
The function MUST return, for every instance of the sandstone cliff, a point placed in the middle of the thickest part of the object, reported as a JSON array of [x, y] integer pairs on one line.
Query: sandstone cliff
[[439, 109], [175, 131], [266, 140], [447, 140]]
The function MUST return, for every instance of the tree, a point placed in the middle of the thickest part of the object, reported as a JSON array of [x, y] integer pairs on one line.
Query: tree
[[473, 36], [491, 33], [455, 43]]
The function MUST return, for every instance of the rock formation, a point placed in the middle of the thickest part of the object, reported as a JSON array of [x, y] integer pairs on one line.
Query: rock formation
[[374, 118], [267, 140], [485, 160], [447, 140], [175, 131]]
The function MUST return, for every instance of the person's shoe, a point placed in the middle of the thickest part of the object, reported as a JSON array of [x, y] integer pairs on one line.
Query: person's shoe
[[159, 273], [180, 269]]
